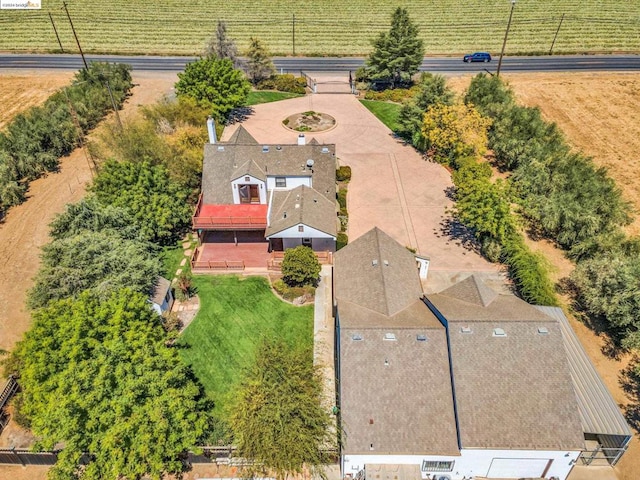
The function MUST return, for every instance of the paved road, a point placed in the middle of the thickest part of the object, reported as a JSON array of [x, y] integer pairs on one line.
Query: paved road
[[343, 64]]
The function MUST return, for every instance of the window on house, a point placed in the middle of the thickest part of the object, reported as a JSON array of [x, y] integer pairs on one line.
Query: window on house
[[306, 242], [437, 466], [281, 182]]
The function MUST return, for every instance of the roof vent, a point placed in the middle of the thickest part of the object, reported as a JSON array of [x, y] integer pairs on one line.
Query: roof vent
[[325, 149], [543, 331], [466, 330], [310, 163], [265, 148], [284, 215], [220, 148], [374, 262], [278, 147], [357, 337], [386, 263], [386, 362], [498, 332], [390, 336], [297, 205], [421, 337]]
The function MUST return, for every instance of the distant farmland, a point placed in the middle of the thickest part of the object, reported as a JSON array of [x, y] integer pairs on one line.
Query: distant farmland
[[325, 27]]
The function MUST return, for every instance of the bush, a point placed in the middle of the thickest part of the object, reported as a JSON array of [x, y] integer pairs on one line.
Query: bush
[[342, 198], [343, 174], [284, 83], [291, 293], [342, 240], [300, 267], [396, 95]]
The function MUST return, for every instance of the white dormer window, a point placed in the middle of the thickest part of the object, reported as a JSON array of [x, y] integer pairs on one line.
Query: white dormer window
[[281, 182]]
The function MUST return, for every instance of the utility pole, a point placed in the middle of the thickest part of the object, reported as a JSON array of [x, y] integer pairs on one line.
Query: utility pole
[[556, 35], [64, 5], [293, 34], [113, 104], [506, 34], [56, 32]]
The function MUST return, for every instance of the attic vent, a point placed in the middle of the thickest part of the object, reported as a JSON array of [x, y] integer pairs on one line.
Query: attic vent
[[357, 337], [421, 337], [265, 148], [325, 149], [386, 263], [278, 147], [374, 262], [466, 330], [310, 163], [390, 336], [386, 362], [543, 331], [220, 148], [498, 332]]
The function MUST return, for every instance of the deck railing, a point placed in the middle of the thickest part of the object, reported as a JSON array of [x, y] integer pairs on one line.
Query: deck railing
[[225, 222], [275, 262]]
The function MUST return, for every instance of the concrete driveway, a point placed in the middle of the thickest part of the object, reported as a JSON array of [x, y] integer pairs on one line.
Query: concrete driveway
[[392, 187]]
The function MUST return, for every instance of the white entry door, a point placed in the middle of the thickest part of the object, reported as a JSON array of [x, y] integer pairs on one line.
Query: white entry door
[[517, 467]]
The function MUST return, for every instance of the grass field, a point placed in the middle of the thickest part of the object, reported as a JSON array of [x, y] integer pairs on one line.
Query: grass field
[[235, 313], [325, 27], [386, 112], [263, 96]]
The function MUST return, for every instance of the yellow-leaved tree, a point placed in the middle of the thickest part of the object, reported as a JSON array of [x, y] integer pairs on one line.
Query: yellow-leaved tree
[[450, 132]]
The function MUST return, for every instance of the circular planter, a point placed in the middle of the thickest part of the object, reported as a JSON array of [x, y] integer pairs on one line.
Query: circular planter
[[309, 122]]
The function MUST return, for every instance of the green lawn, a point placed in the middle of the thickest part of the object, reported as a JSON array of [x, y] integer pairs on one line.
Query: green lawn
[[386, 112], [171, 258], [266, 96], [235, 313]]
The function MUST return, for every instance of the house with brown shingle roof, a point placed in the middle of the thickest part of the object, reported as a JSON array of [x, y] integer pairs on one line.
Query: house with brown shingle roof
[[461, 384], [270, 197]]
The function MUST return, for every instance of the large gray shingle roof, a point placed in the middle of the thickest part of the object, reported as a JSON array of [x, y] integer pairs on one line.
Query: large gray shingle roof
[[396, 394], [512, 391], [228, 160]]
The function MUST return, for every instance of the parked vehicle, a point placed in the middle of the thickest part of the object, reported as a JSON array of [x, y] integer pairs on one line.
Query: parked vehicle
[[477, 57]]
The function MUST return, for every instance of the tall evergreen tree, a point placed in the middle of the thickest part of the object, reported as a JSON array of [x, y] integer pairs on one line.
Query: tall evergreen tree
[[221, 46], [259, 64], [397, 54]]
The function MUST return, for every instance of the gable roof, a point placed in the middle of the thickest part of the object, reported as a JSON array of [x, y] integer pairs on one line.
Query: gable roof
[[250, 167], [378, 273], [301, 205], [510, 370], [242, 137]]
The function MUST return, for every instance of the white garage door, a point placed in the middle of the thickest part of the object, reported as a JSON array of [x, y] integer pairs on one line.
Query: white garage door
[[517, 467]]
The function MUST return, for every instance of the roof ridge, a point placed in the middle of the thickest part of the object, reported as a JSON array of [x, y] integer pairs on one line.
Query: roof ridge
[[384, 278]]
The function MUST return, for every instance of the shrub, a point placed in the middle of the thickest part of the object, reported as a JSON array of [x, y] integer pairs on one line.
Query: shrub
[[342, 240], [396, 95], [284, 83], [291, 293], [343, 174], [300, 267], [342, 198]]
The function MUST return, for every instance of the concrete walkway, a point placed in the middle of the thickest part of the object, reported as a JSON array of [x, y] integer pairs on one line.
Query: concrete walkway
[[392, 187]]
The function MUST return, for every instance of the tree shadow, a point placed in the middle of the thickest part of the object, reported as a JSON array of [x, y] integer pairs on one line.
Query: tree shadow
[[599, 325], [239, 115], [630, 382], [457, 231]]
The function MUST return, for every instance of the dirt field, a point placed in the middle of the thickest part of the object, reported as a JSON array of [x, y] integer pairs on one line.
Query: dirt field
[[599, 114]]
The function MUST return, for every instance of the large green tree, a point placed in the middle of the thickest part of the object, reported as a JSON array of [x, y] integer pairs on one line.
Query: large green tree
[[278, 420], [398, 53], [100, 261], [157, 204], [215, 85], [98, 377]]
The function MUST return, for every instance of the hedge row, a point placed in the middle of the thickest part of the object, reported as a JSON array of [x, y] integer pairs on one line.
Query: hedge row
[[33, 142]]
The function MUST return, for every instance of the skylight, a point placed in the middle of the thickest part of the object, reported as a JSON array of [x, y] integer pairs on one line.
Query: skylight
[[498, 332], [390, 336]]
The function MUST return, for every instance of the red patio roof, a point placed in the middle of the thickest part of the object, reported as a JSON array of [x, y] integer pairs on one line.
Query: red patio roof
[[243, 210], [231, 217]]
